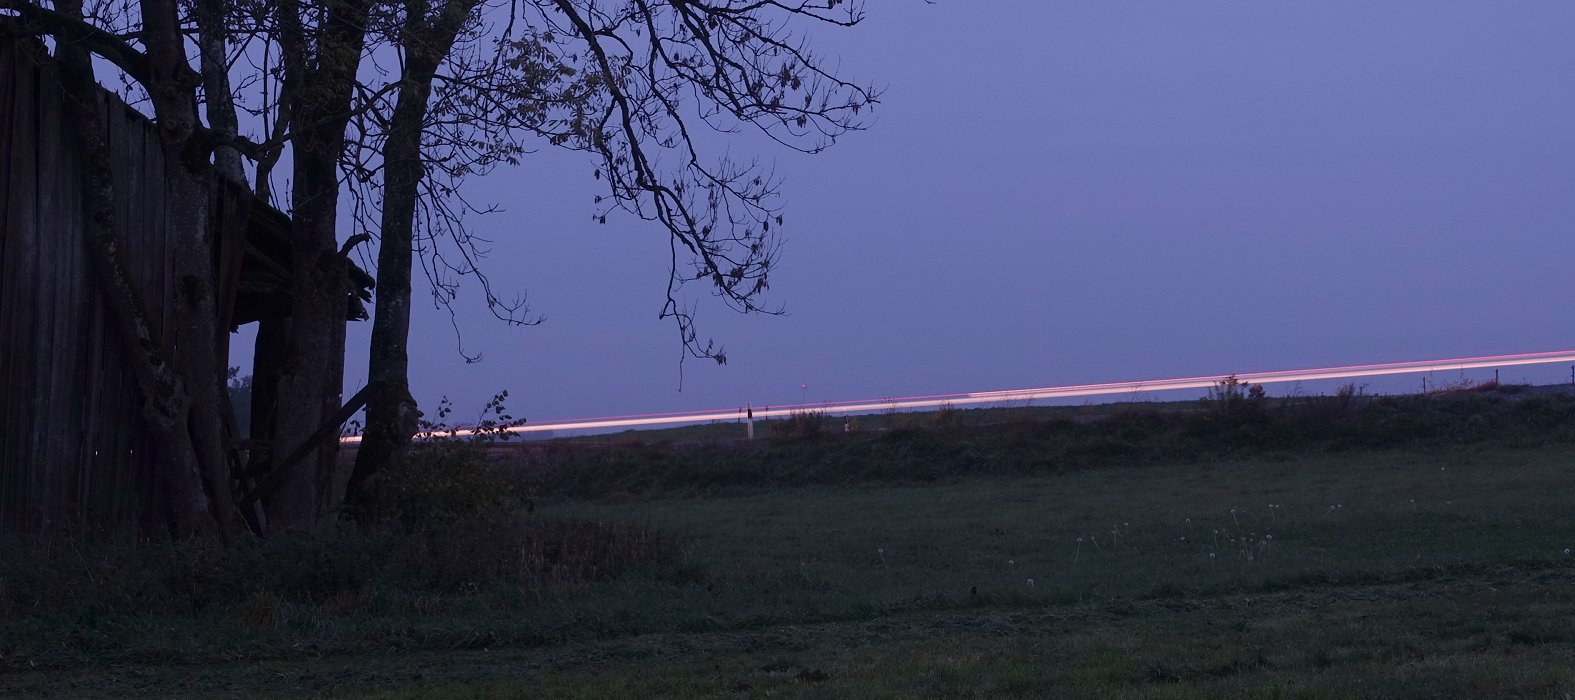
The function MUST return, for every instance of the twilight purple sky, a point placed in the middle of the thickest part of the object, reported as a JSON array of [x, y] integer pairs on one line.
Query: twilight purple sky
[[1067, 192]]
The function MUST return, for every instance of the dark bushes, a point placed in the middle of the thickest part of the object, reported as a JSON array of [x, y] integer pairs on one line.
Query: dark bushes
[[1235, 423], [450, 528], [798, 424], [443, 483]]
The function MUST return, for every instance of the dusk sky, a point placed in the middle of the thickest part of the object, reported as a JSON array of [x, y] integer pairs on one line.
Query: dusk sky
[[1070, 192]]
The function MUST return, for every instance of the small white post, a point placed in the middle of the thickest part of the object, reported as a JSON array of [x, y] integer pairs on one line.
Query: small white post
[[750, 420]]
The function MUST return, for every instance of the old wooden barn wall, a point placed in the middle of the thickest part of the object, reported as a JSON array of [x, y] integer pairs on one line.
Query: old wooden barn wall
[[74, 450]]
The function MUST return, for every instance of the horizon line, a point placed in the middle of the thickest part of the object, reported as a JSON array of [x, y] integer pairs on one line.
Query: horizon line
[[1054, 392]]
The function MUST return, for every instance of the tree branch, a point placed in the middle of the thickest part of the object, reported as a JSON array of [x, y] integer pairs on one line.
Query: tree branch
[[78, 32]]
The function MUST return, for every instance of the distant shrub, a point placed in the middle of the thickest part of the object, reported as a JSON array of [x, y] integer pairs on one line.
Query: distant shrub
[[946, 416], [800, 424], [239, 390], [1231, 397]]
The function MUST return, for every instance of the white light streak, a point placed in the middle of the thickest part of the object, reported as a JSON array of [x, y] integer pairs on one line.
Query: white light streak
[[1055, 392]]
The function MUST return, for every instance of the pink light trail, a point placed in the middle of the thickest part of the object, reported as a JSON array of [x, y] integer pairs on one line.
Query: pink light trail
[[1055, 392]]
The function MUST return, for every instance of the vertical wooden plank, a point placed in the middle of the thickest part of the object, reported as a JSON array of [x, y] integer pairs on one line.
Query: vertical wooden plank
[[106, 424], [100, 421], [97, 382], [45, 467], [7, 106], [69, 372], [153, 205], [155, 208], [130, 468], [101, 382], [147, 498], [11, 122], [7, 129], [21, 258], [48, 338]]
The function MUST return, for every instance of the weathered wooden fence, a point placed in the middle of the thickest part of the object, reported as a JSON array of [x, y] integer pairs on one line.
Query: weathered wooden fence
[[74, 450]]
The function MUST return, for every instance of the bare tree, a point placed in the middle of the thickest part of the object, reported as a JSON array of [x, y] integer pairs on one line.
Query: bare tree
[[323, 46], [629, 83], [426, 38]]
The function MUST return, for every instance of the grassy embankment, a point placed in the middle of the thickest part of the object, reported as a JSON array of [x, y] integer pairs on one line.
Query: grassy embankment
[[1404, 547]]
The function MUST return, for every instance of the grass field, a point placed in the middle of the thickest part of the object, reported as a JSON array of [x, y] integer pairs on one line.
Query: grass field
[[1442, 570]]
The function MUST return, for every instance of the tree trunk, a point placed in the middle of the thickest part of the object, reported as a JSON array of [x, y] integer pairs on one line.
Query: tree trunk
[[391, 413], [195, 290], [220, 107], [165, 404], [199, 339], [312, 373]]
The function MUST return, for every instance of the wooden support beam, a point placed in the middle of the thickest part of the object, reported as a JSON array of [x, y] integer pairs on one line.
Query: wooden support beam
[[329, 429]]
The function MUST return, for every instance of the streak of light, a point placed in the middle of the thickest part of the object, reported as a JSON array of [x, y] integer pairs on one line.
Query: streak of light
[[1054, 392]]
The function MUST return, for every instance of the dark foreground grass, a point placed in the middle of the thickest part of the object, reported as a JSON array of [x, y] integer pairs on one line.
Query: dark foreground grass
[[65, 606], [1496, 635], [1407, 570]]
